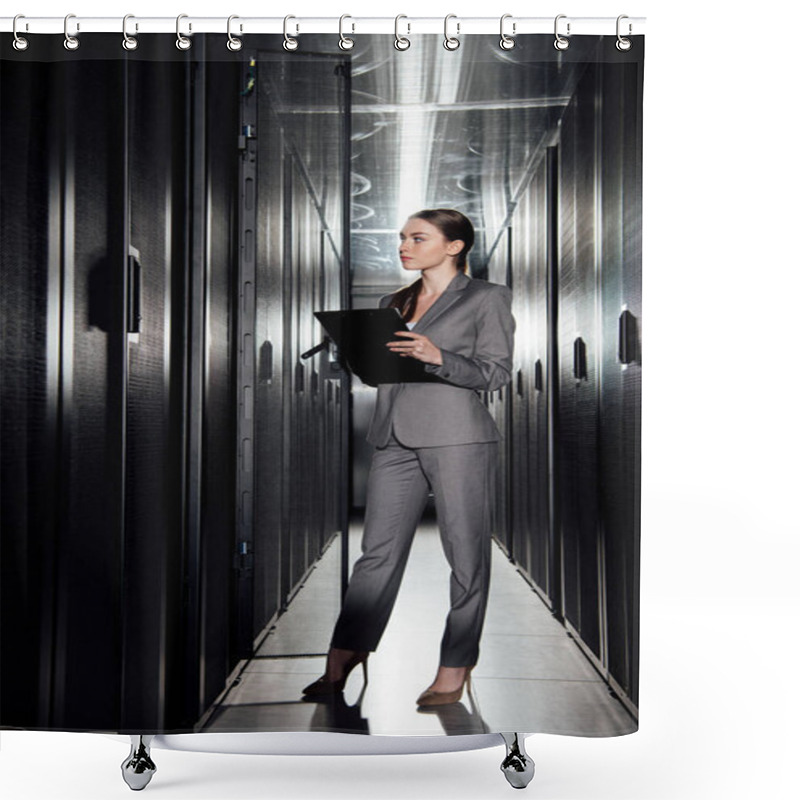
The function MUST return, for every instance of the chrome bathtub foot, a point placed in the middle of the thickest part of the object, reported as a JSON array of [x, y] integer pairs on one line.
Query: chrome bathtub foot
[[138, 768], [518, 766]]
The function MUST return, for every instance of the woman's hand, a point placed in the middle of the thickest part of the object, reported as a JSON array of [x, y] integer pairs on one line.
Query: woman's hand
[[416, 345]]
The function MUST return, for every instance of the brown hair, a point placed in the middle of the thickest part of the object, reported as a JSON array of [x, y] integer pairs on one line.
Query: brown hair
[[454, 226]]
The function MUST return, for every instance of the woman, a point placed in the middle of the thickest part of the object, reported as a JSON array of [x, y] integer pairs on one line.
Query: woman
[[431, 435]]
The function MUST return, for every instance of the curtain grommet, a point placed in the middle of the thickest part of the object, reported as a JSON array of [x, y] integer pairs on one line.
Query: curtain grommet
[[507, 42], [401, 42], [345, 42], [20, 42], [451, 42], [289, 42], [623, 44], [233, 44], [70, 42], [561, 42], [182, 42], [128, 42]]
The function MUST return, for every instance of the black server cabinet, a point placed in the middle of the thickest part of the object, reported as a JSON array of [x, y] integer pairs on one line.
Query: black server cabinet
[[620, 369], [32, 413], [213, 434], [501, 407], [121, 309], [578, 410], [529, 436], [568, 507], [599, 417], [302, 267], [92, 393], [156, 281]]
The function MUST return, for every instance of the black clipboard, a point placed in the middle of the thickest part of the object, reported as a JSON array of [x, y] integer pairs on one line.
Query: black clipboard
[[361, 336]]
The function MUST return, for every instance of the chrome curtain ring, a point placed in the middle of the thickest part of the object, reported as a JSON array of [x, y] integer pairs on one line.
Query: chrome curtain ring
[[623, 44], [345, 43], [451, 42], [182, 42], [233, 43], [507, 42], [70, 42], [20, 42], [129, 42], [401, 42], [288, 42], [561, 43]]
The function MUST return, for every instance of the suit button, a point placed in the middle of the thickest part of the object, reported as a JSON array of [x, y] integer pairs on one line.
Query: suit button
[[447, 374]]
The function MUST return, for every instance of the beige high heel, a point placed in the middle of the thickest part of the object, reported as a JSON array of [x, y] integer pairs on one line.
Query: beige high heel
[[431, 698], [323, 687]]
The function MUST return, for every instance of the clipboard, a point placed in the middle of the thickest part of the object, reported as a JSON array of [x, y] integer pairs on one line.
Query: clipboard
[[361, 336]]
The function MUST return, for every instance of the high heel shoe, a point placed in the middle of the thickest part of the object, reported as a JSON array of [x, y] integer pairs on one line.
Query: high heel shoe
[[432, 698], [324, 687]]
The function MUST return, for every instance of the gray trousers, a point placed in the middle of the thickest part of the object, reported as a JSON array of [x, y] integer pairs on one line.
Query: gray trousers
[[462, 478]]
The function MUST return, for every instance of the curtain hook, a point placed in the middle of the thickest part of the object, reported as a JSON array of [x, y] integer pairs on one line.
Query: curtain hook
[[129, 42], [507, 42], [561, 43], [182, 42], [288, 42], [20, 42], [345, 42], [233, 43], [623, 44], [401, 42], [451, 42], [71, 42]]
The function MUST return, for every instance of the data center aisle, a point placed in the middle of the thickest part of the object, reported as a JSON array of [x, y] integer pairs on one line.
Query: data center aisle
[[529, 671]]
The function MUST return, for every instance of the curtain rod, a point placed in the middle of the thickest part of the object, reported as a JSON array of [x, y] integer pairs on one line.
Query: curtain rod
[[241, 26]]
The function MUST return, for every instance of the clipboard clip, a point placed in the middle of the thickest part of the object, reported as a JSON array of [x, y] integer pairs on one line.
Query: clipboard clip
[[323, 345]]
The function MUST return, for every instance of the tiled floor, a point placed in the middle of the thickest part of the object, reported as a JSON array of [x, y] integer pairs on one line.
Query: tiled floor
[[531, 676]]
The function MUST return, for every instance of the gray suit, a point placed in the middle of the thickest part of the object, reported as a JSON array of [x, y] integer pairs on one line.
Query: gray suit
[[437, 436], [471, 323]]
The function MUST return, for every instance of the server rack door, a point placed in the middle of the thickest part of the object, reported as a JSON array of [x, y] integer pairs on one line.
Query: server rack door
[[331, 374], [152, 607], [578, 391], [541, 555], [87, 653], [519, 482], [303, 242], [530, 249], [30, 407], [214, 308], [269, 398], [291, 379], [621, 368], [500, 404]]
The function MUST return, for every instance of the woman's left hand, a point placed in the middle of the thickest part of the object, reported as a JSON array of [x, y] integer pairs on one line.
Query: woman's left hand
[[416, 345]]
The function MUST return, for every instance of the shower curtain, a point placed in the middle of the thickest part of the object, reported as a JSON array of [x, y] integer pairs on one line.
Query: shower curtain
[[183, 450]]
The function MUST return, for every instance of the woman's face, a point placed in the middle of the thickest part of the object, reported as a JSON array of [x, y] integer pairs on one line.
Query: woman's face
[[423, 245]]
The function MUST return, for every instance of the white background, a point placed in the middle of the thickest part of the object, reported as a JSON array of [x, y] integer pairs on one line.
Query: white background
[[719, 599]]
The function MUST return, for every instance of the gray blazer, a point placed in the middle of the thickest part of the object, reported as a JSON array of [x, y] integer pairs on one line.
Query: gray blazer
[[471, 323]]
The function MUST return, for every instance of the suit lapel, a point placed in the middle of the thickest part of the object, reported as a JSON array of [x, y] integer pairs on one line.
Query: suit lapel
[[452, 294]]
